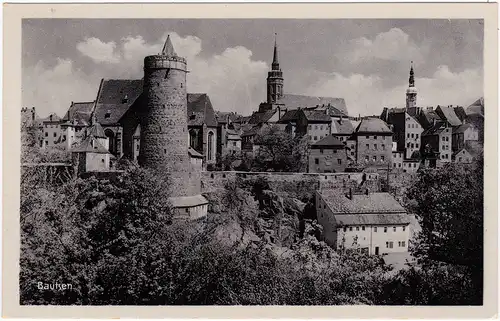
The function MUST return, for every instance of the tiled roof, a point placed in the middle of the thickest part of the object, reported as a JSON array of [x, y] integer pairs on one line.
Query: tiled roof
[[90, 145], [461, 128], [460, 112], [372, 125], [295, 101], [115, 97], [342, 128], [223, 116], [435, 129], [188, 201], [200, 110], [317, 116], [79, 111], [252, 131], [448, 113], [97, 131], [55, 118], [291, 115], [427, 117], [378, 203], [328, 141], [372, 219], [476, 107], [262, 117]]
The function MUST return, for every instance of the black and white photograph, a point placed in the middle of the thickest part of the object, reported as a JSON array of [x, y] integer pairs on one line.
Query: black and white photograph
[[252, 162]]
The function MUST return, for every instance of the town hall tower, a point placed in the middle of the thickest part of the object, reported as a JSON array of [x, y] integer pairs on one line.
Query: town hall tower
[[274, 79], [411, 92]]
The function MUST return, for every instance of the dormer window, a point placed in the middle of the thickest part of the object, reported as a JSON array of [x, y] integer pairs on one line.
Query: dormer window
[[125, 99], [108, 114]]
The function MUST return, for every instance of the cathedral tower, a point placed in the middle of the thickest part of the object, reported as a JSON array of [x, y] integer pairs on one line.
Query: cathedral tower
[[411, 92], [274, 78], [163, 142]]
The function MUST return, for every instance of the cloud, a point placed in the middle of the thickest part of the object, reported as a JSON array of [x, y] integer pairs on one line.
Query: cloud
[[51, 89], [367, 94], [98, 51], [394, 44], [232, 79]]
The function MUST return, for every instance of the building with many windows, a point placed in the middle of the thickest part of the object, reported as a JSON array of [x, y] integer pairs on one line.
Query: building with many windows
[[374, 223]]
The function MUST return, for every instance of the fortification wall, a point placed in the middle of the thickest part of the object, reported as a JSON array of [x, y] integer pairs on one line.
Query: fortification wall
[[298, 184]]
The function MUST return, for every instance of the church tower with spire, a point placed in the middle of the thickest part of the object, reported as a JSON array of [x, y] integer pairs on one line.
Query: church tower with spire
[[411, 92], [163, 140], [274, 78]]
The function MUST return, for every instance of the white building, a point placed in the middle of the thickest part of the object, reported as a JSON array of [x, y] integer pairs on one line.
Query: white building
[[374, 223]]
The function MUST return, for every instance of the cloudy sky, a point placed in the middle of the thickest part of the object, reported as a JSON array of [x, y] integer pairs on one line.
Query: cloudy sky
[[366, 62]]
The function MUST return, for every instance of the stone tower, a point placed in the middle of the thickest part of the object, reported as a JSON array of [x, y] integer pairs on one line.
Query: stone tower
[[163, 142], [411, 92], [274, 78]]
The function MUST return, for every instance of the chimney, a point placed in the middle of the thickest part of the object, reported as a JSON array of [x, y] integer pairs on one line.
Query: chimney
[[340, 121], [50, 117], [350, 193]]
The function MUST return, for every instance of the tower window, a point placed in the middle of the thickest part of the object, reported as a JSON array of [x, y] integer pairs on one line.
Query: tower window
[[182, 85]]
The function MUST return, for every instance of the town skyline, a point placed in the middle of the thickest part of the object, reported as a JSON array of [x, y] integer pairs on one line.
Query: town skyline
[[357, 65]]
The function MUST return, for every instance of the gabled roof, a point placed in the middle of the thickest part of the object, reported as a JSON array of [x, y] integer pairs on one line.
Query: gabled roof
[[372, 219], [461, 128], [377, 203], [476, 107], [462, 150], [290, 116], [262, 117], [97, 131], [200, 110], [448, 113], [329, 141], [435, 129], [115, 97], [343, 127], [460, 112], [252, 131], [79, 112], [223, 116], [54, 118], [372, 125], [295, 101], [90, 145], [317, 116], [427, 117]]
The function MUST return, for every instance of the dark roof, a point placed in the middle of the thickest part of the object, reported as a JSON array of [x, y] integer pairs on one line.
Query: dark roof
[[115, 97], [317, 116], [342, 128], [372, 125], [448, 113], [79, 112], [328, 141], [200, 110], [90, 145], [252, 131], [295, 101], [476, 107], [290, 116], [461, 128], [55, 118], [377, 203], [262, 117], [223, 116], [435, 129], [460, 112], [427, 117], [371, 219]]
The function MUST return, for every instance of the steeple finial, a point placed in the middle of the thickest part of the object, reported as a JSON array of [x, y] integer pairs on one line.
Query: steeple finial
[[168, 48], [412, 77], [275, 65]]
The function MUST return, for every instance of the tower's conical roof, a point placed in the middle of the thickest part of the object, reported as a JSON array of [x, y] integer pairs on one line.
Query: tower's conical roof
[[168, 48], [412, 77], [275, 63]]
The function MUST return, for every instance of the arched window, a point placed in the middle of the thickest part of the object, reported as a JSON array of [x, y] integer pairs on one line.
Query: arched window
[[193, 139], [210, 145], [112, 142]]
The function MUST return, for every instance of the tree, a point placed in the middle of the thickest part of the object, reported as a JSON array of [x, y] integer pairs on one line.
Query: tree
[[279, 151]]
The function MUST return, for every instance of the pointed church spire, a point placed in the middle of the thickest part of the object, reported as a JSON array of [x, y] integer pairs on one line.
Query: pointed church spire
[[276, 64], [168, 48], [412, 77]]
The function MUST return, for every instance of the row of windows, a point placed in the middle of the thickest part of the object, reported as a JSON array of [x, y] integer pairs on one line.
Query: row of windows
[[411, 145], [444, 156], [390, 244], [394, 228], [446, 139], [415, 165], [446, 147], [375, 137], [367, 158], [411, 135], [315, 137], [375, 146], [411, 125], [316, 127], [316, 161], [321, 151], [51, 126]]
